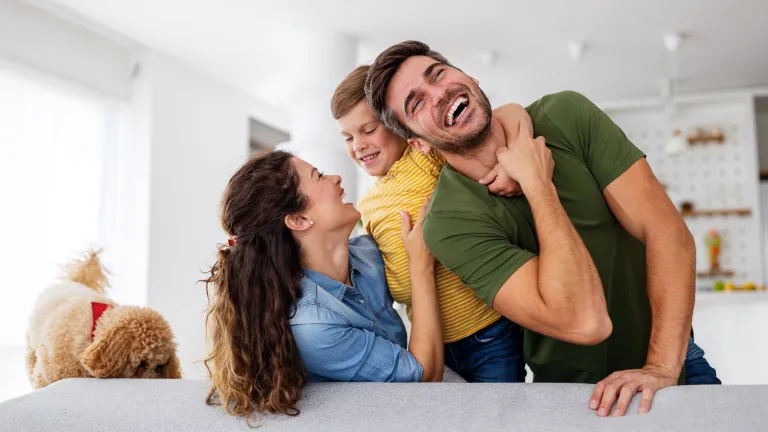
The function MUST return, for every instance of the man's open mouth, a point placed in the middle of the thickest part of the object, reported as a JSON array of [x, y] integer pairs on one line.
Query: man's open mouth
[[368, 159], [455, 111]]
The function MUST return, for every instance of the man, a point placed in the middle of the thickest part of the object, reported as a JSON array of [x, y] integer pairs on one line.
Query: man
[[594, 261]]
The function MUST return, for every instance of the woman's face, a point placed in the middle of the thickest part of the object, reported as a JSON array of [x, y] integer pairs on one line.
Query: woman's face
[[326, 208], [369, 143]]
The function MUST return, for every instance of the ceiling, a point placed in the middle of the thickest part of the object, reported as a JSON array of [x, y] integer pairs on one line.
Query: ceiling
[[253, 45]]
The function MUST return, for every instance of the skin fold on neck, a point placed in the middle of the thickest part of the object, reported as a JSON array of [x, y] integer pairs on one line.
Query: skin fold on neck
[[479, 163], [327, 253]]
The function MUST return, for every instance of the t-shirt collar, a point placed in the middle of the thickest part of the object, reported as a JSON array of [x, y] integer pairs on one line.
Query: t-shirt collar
[[421, 160]]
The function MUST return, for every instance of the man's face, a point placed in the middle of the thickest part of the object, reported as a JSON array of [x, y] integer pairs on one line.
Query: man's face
[[441, 105]]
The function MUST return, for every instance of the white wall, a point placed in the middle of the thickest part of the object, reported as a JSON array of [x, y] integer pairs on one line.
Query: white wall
[[50, 44], [199, 136], [730, 327]]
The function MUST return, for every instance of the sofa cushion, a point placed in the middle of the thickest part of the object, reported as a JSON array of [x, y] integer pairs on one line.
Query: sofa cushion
[[177, 405]]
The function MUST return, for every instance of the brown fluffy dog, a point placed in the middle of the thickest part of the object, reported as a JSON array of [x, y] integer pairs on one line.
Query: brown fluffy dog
[[128, 341]]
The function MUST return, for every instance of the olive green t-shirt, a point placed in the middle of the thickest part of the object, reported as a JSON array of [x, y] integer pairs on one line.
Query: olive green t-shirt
[[485, 238]]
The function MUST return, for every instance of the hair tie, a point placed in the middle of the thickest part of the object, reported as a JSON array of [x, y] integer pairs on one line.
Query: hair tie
[[232, 241]]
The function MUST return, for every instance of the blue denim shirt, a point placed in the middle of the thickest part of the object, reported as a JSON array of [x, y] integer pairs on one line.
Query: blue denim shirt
[[352, 333]]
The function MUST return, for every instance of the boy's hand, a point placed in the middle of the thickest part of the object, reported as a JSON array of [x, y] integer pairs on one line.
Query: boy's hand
[[501, 184], [514, 119]]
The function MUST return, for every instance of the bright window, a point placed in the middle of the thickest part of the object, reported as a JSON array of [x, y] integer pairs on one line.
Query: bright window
[[54, 140]]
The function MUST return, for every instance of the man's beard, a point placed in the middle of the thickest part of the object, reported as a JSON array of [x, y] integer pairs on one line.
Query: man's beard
[[468, 144]]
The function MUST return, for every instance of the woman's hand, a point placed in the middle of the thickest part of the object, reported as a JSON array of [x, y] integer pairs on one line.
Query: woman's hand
[[419, 256]]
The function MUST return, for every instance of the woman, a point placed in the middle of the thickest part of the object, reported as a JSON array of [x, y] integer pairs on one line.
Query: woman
[[293, 299]]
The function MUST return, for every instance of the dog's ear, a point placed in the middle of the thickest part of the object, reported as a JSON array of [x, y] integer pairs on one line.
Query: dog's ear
[[172, 369], [108, 356]]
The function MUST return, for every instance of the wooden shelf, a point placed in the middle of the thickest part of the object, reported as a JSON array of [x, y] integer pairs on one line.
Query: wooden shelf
[[698, 136], [723, 212], [706, 140], [717, 273]]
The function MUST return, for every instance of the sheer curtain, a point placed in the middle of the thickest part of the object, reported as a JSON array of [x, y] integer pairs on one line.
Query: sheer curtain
[[54, 140]]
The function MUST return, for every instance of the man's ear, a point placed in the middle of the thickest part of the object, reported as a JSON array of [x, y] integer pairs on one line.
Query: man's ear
[[419, 145], [297, 222]]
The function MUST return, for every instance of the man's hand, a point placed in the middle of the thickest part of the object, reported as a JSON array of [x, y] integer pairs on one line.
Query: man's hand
[[499, 183], [625, 384], [529, 161]]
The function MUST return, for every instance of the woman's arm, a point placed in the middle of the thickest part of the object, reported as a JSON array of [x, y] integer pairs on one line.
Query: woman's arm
[[426, 343], [335, 350]]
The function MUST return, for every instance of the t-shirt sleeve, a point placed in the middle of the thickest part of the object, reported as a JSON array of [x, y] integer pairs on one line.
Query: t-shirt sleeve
[[605, 148], [477, 249]]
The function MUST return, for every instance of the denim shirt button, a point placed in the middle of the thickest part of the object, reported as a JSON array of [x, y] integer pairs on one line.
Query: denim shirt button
[[361, 301]]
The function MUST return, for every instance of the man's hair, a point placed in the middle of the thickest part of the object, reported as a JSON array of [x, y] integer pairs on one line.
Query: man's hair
[[380, 74], [349, 93]]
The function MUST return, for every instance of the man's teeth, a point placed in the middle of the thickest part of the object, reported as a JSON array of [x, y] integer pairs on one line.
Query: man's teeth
[[369, 157], [455, 105]]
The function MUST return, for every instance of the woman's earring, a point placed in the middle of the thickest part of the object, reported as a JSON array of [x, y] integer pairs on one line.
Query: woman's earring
[[311, 222]]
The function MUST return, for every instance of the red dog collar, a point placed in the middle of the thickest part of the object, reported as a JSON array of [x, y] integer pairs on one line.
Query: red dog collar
[[98, 309]]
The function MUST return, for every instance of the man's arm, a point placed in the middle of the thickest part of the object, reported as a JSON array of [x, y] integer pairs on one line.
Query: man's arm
[[563, 281], [643, 208], [557, 294]]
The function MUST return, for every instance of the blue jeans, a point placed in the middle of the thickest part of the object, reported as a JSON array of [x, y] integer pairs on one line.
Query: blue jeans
[[493, 354], [697, 368]]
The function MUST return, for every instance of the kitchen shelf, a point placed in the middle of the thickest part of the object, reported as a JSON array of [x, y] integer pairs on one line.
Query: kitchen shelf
[[716, 273], [723, 212]]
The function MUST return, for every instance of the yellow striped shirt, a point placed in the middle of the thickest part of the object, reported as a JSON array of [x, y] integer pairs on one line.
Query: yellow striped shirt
[[405, 187]]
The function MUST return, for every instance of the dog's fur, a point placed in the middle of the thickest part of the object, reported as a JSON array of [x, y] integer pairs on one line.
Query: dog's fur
[[129, 341]]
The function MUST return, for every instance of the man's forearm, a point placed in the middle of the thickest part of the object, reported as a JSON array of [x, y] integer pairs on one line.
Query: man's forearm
[[568, 278], [671, 261]]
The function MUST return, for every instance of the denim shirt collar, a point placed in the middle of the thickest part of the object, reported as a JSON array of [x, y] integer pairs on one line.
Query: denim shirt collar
[[334, 287]]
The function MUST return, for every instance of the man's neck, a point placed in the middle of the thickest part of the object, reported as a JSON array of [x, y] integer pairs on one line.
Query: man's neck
[[478, 164]]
